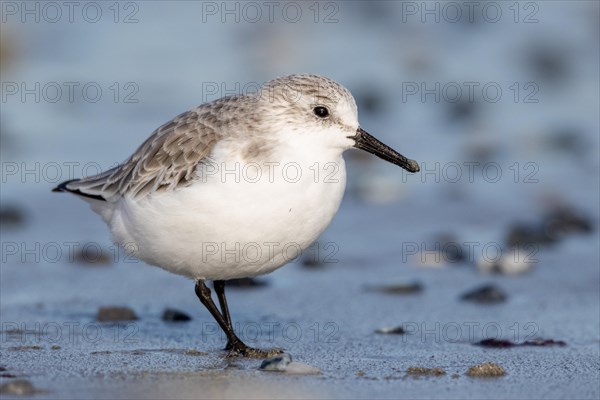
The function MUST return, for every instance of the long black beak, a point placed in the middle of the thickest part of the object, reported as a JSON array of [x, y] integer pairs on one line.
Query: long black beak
[[366, 142]]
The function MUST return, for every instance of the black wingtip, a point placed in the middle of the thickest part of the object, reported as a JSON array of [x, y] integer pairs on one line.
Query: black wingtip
[[63, 188]]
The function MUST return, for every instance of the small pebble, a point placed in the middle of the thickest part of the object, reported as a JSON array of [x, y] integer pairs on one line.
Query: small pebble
[[298, 368], [5, 374], [431, 259], [549, 63], [369, 100], [563, 221], [521, 235], [19, 387], [421, 371], [55, 347], [25, 348], [544, 342], [450, 248], [360, 373], [173, 315], [462, 110], [513, 262], [116, 314], [11, 217], [8, 52], [567, 140], [398, 288], [501, 343], [554, 226], [487, 294], [486, 370], [498, 343], [391, 330], [92, 253], [484, 153], [194, 352], [311, 261], [278, 363]]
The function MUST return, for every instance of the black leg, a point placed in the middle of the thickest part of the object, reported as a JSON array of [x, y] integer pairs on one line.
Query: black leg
[[203, 293], [220, 290], [234, 344]]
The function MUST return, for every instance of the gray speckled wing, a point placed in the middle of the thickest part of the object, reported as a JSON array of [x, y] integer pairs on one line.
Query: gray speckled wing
[[166, 160]]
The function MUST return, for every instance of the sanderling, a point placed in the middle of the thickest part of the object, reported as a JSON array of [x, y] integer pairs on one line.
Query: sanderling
[[236, 187]]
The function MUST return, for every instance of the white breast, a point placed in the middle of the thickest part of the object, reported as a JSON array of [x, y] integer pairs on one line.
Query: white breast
[[231, 225]]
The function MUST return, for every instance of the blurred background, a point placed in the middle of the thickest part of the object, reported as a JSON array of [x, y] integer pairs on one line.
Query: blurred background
[[497, 101]]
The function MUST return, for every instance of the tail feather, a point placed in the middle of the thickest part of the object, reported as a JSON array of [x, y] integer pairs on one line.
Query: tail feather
[[97, 187], [64, 187]]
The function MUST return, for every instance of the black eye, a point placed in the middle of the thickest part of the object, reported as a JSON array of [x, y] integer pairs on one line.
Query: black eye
[[321, 112]]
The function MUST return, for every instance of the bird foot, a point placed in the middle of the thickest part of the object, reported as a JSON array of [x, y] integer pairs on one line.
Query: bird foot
[[239, 349]]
